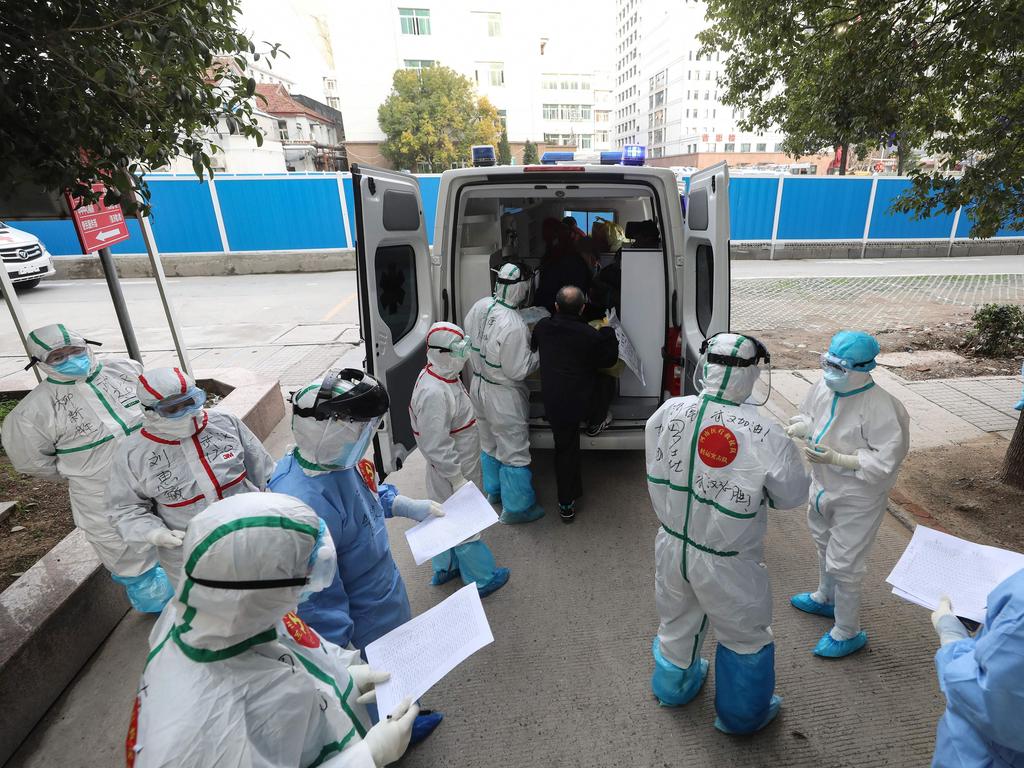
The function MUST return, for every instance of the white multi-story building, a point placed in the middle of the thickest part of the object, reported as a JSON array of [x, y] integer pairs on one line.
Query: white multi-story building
[[669, 96], [544, 66]]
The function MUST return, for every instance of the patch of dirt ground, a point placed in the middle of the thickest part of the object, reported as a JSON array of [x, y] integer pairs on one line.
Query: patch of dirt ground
[[957, 484], [43, 515], [798, 348]]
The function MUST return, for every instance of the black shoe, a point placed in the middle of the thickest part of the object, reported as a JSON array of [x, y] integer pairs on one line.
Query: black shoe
[[594, 430], [567, 512]]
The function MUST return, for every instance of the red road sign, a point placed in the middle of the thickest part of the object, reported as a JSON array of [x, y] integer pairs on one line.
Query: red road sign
[[98, 225]]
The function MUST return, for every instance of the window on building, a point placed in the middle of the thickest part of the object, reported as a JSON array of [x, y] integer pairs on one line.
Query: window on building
[[778, 147], [490, 73], [503, 116], [602, 116], [601, 137], [707, 75], [762, 147], [330, 85], [282, 130], [659, 136], [550, 112], [659, 99], [730, 147], [744, 147], [587, 141], [419, 63], [490, 23], [707, 95], [415, 21]]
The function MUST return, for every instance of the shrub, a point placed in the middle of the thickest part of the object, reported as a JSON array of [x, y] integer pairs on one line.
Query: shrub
[[998, 331]]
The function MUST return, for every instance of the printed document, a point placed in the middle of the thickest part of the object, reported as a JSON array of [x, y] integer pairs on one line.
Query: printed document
[[466, 513]]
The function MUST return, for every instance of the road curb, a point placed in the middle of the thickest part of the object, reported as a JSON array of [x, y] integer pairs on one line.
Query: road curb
[[210, 264], [911, 514]]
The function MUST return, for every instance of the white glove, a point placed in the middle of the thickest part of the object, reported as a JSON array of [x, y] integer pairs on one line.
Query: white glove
[[457, 482], [366, 678], [822, 454], [797, 428], [389, 738], [949, 627], [165, 537], [416, 509]]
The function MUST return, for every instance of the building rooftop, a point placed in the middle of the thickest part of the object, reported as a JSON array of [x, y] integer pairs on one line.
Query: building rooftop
[[280, 102]]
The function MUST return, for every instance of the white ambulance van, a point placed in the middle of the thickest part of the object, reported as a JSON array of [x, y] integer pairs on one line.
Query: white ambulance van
[[674, 290]]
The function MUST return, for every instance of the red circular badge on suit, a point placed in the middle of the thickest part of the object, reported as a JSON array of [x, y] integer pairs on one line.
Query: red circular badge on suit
[[717, 446]]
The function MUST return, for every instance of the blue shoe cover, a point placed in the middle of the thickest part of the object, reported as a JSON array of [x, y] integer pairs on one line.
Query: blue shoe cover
[[830, 648], [674, 686], [424, 725], [497, 581], [536, 512], [773, 710], [744, 688], [446, 567], [519, 502], [443, 577], [804, 602], [148, 592], [494, 498], [491, 470], [1020, 405]]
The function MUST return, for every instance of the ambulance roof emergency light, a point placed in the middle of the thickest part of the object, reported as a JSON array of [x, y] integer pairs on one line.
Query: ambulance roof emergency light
[[483, 155], [634, 154]]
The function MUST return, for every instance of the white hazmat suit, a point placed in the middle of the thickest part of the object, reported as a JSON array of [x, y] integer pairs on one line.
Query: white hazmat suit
[[70, 427], [857, 424], [173, 468], [446, 433], [501, 361], [714, 467], [234, 677]]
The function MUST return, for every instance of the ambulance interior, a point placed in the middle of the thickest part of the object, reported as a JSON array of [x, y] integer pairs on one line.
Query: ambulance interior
[[496, 224]]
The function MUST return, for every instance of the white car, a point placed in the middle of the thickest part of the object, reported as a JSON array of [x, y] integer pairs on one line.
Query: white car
[[26, 259]]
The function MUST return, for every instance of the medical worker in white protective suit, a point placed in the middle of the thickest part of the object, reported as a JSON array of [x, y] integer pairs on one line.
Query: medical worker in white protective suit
[[69, 427], [856, 436], [446, 433], [234, 677], [501, 362], [182, 460], [714, 467]]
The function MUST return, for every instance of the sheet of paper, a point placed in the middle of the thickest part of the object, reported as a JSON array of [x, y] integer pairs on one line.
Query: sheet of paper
[[936, 564], [627, 352], [423, 650], [466, 513]]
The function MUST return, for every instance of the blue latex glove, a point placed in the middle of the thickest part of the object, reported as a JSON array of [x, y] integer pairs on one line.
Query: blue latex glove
[[416, 509]]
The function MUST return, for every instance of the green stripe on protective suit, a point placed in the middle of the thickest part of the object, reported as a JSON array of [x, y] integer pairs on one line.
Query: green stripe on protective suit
[[446, 434], [233, 661], [69, 427], [501, 361], [712, 465]]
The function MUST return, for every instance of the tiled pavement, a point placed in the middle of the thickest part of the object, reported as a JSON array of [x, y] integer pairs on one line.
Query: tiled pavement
[[863, 302], [987, 402]]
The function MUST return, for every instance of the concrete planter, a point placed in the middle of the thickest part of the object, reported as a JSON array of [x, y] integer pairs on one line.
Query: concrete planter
[[55, 616]]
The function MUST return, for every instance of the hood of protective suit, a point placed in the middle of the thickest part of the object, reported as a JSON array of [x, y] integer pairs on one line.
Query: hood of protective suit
[[44, 340], [447, 336], [158, 383], [730, 382], [249, 537], [516, 291], [321, 442]]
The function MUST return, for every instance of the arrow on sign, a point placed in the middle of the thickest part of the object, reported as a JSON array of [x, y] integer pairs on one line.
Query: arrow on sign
[[102, 236]]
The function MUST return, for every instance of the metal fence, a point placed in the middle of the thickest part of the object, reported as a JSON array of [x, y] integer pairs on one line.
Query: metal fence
[[240, 213]]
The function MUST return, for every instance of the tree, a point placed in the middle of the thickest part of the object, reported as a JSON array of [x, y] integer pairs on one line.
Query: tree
[[89, 89], [504, 150], [432, 117], [530, 156], [827, 74]]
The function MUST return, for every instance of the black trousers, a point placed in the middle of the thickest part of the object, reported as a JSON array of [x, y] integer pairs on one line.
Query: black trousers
[[601, 400], [567, 462]]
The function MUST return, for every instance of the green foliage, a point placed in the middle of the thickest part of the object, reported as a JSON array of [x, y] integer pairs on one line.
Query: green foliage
[[88, 88], [530, 156], [998, 331], [504, 150], [433, 116]]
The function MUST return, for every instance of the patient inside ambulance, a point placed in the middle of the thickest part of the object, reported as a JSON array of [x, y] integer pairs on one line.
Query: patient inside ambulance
[[608, 243]]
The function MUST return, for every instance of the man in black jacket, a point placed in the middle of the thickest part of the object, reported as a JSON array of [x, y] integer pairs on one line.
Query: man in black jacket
[[571, 353]]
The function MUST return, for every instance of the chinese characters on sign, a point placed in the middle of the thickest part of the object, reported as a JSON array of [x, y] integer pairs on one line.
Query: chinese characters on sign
[[98, 225]]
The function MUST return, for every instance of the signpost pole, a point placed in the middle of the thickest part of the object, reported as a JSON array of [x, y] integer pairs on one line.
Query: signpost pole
[[117, 297]]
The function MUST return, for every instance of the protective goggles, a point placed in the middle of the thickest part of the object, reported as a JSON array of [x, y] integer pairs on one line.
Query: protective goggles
[[760, 353], [59, 355], [180, 406], [830, 362], [459, 349], [366, 399], [525, 275]]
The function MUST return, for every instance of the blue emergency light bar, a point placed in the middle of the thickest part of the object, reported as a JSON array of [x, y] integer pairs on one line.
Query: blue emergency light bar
[[483, 155], [611, 157], [634, 154], [552, 158]]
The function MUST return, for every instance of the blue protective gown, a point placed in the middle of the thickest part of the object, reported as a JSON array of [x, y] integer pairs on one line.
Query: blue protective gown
[[367, 598], [983, 680]]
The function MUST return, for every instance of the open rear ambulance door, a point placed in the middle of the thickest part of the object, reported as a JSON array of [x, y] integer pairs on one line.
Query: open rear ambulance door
[[706, 278], [395, 303]]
